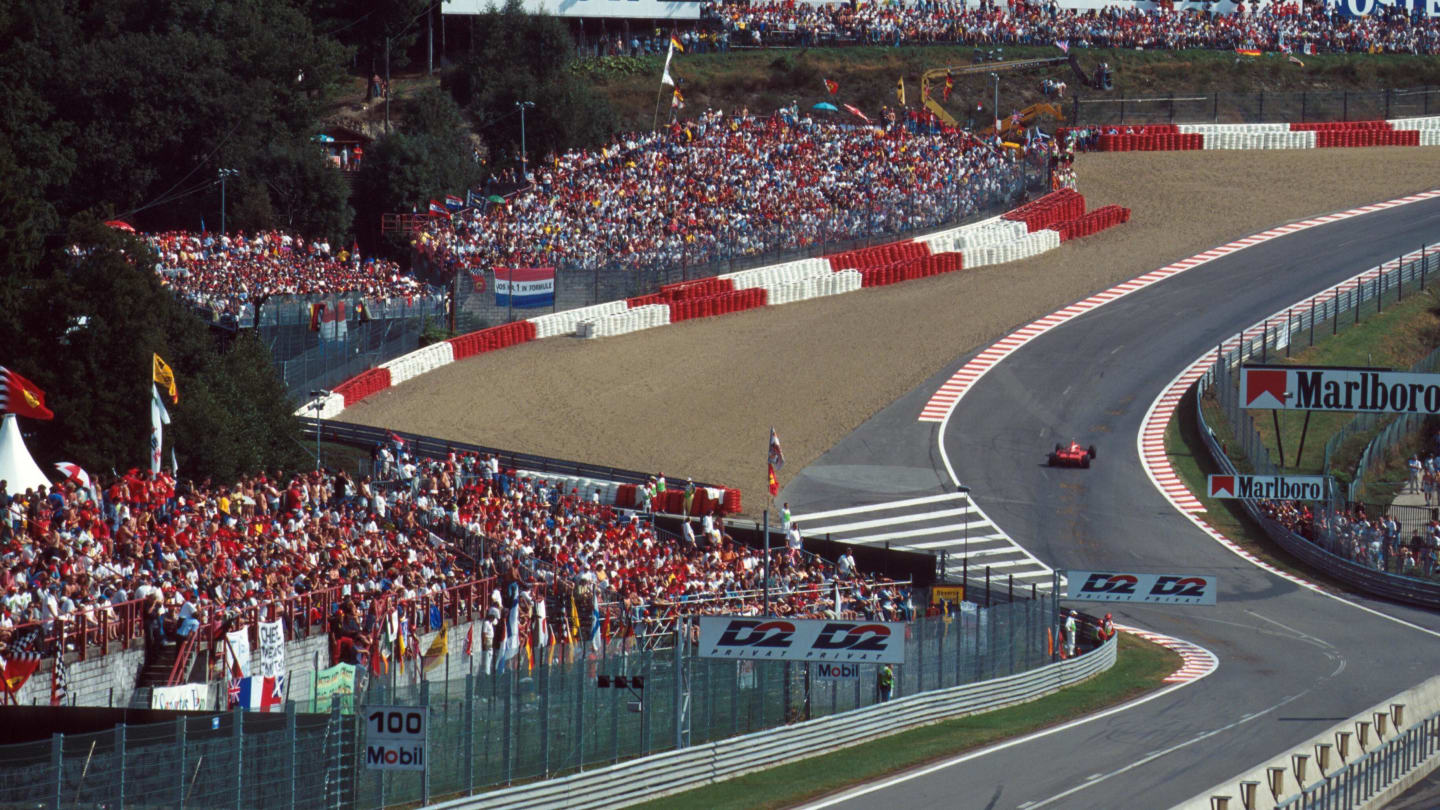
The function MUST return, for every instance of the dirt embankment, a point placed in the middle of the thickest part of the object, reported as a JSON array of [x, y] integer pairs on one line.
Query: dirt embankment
[[698, 398]]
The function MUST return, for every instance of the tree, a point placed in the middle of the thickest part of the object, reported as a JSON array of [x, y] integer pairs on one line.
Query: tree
[[537, 50], [428, 158], [90, 321], [139, 104]]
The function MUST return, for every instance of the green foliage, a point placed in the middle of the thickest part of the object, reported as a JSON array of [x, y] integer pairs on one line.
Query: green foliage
[[535, 67], [139, 104], [604, 66], [84, 329]]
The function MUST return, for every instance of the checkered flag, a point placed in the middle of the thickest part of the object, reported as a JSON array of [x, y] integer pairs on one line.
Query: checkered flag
[[59, 681]]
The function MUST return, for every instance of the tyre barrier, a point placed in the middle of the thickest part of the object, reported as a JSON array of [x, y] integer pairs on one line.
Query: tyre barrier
[[990, 232], [496, 337], [644, 301], [363, 385], [1422, 123], [777, 275], [1161, 142], [1339, 126], [1268, 139], [878, 256], [832, 283], [1092, 223], [1057, 206], [722, 304], [695, 290], [563, 323], [1366, 137], [420, 361], [623, 323], [1217, 129], [1032, 245], [911, 269]]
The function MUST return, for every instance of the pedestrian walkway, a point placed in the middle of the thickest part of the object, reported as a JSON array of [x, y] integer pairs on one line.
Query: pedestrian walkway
[[950, 526]]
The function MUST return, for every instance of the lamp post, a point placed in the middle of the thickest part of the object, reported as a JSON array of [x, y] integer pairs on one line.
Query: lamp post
[[524, 157], [995, 77], [224, 174], [317, 401]]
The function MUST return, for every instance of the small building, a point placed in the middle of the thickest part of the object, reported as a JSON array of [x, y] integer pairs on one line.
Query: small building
[[344, 147]]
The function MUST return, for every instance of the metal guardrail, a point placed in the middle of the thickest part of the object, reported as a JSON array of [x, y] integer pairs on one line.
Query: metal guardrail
[[1367, 777], [1350, 297], [700, 765]]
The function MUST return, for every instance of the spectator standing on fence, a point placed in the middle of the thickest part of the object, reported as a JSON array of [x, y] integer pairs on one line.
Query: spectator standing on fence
[[785, 518], [846, 564], [885, 682], [794, 542]]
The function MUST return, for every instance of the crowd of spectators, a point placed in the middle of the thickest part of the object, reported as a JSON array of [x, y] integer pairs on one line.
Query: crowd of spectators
[[1377, 542], [726, 185], [1270, 27], [179, 556], [226, 272]]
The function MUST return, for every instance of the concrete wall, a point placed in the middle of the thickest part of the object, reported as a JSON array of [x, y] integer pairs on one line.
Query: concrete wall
[[99, 681]]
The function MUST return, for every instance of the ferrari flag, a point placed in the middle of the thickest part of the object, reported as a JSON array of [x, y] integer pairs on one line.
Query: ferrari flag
[[22, 397], [165, 378]]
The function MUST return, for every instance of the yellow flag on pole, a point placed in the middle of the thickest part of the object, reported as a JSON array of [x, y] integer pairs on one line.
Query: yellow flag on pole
[[165, 377], [900, 89], [439, 648]]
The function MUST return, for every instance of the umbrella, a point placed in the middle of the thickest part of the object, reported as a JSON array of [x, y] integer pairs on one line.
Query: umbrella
[[495, 198], [323, 138], [825, 105], [121, 225]]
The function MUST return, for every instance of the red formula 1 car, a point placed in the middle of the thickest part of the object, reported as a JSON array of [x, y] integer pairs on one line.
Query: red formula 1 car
[[1071, 455]]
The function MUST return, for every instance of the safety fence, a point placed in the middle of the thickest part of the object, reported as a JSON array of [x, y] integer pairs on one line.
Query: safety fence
[[1331, 544], [708, 763], [1255, 108], [552, 718], [236, 760], [316, 342], [1365, 778], [982, 194], [1367, 422]]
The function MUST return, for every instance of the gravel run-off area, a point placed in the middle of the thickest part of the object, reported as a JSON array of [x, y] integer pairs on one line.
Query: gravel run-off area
[[698, 398]]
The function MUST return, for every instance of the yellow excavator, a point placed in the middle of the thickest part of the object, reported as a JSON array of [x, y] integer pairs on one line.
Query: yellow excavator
[[1028, 116], [1102, 80]]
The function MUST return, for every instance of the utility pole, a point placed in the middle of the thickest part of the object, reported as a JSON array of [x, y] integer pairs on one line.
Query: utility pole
[[318, 399], [387, 85], [224, 174], [524, 157], [996, 78]]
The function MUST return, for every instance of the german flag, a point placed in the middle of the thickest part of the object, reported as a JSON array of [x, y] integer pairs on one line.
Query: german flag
[[1248, 51], [675, 43]]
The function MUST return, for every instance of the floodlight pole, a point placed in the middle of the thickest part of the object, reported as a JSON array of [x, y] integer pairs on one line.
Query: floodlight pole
[[224, 174]]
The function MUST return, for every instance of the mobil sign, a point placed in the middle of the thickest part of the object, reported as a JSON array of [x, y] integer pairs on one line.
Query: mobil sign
[[1324, 388], [1365, 8], [1158, 589], [1267, 487], [821, 640]]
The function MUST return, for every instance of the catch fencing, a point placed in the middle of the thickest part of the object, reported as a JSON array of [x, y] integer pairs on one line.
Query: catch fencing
[[236, 759], [319, 342], [534, 723], [1365, 778], [579, 285], [1332, 545], [705, 764], [1255, 108]]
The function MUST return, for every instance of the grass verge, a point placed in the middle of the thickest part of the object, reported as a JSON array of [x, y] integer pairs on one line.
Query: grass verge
[[1140, 668]]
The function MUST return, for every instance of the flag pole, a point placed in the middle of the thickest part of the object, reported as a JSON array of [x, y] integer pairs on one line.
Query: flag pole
[[766, 583]]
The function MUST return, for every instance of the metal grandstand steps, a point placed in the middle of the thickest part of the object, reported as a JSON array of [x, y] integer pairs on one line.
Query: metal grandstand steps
[[950, 526]]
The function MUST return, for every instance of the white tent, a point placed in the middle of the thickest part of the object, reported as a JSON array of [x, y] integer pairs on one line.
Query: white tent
[[16, 465]]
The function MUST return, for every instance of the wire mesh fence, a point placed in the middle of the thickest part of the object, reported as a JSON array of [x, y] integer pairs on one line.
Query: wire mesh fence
[[1256, 108], [236, 759], [552, 718], [486, 729]]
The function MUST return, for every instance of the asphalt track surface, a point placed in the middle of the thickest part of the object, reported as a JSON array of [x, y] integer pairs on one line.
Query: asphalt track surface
[[1292, 661]]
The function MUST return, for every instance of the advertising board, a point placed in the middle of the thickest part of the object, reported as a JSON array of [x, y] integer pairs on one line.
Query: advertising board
[[1158, 589], [1267, 487], [395, 738], [1324, 388], [777, 639]]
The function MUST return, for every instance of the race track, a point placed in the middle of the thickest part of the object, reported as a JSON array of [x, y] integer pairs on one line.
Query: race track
[[1292, 661]]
